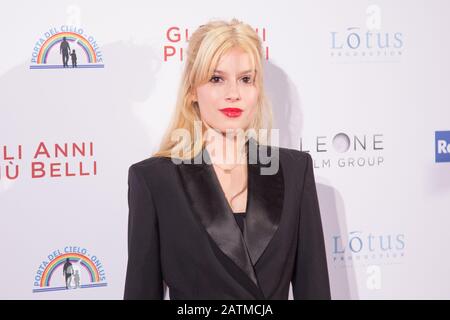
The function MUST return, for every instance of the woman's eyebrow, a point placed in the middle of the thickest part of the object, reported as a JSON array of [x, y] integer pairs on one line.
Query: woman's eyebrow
[[223, 72]]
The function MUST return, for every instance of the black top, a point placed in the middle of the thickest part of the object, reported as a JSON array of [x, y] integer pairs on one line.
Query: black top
[[240, 216]]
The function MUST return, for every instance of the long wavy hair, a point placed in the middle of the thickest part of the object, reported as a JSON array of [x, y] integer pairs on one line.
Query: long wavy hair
[[205, 48]]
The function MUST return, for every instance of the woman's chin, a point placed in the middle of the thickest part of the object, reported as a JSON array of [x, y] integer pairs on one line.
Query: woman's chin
[[233, 130]]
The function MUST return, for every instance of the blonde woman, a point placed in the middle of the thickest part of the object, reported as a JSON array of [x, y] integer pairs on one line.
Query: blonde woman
[[218, 213]]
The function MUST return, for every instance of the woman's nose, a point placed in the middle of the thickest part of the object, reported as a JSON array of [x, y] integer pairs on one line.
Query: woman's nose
[[232, 92]]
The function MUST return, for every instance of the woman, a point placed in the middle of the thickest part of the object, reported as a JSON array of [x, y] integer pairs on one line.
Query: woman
[[216, 213]]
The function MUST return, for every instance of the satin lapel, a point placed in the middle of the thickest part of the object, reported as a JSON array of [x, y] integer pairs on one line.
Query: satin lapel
[[264, 207], [209, 203]]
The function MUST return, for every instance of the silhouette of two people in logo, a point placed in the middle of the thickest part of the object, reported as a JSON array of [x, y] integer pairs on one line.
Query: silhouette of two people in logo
[[74, 58], [69, 274], [64, 49]]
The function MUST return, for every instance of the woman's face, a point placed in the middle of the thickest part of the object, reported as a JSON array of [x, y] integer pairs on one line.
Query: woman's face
[[229, 100]]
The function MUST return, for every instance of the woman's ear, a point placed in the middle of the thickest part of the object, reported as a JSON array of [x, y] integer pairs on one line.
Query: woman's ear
[[193, 95]]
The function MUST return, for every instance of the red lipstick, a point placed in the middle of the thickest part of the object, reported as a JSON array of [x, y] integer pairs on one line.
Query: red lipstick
[[231, 112]]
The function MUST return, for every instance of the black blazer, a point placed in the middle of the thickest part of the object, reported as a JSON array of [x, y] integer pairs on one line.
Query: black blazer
[[182, 232]]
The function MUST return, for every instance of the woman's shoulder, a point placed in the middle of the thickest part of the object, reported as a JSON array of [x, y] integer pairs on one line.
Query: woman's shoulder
[[298, 164], [294, 155], [151, 164], [291, 160]]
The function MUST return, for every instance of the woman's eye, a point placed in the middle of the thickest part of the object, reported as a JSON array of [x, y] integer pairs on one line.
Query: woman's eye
[[247, 79], [215, 79]]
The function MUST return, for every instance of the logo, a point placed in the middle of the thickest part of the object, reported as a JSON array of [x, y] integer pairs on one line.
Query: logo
[[360, 248], [369, 43], [66, 47], [345, 150], [48, 160], [69, 269], [176, 37], [442, 144]]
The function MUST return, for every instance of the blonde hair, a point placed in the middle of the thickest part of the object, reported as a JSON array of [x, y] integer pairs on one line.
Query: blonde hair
[[206, 46]]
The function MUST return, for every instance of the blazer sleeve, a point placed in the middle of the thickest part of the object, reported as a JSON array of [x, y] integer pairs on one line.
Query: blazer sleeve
[[144, 275], [310, 279]]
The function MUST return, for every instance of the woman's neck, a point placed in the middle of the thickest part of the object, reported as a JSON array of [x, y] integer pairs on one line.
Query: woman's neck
[[225, 149]]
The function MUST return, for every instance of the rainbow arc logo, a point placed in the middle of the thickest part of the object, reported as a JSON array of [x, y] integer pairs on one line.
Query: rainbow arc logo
[[66, 50], [69, 271]]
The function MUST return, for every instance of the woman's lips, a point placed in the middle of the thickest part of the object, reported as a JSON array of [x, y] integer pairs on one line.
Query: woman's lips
[[231, 112]]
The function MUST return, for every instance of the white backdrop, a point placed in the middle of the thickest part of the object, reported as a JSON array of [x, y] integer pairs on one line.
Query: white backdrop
[[362, 85]]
